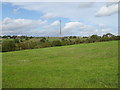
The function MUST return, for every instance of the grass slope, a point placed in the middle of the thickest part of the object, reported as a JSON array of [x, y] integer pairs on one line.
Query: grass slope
[[86, 66]]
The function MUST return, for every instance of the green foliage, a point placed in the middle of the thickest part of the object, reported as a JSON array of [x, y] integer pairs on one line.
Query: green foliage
[[8, 45], [72, 37], [65, 42], [26, 45], [108, 35], [104, 38], [43, 40], [24, 42], [77, 41], [16, 40], [21, 40], [46, 44], [95, 37], [56, 43], [27, 38]]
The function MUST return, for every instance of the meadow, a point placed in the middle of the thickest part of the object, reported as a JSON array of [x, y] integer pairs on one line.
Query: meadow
[[89, 65]]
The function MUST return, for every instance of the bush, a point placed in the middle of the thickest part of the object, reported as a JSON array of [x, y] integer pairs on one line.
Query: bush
[[27, 38], [46, 44], [74, 37], [43, 40], [65, 42], [56, 43], [82, 41], [8, 45], [77, 41], [27, 45], [24, 43], [16, 40], [105, 39], [71, 42]]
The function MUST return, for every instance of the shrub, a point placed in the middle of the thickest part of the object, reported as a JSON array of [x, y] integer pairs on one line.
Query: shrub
[[105, 39], [65, 42], [43, 40], [56, 43], [46, 44], [16, 40], [27, 45], [8, 45], [77, 41], [74, 37]]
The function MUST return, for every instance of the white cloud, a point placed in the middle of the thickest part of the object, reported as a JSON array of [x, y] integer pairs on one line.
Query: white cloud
[[41, 28], [54, 10], [51, 29], [73, 25], [78, 26], [107, 10], [105, 30], [50, 16], [19, 26], [80, 29], [55, 23], [102, 25]]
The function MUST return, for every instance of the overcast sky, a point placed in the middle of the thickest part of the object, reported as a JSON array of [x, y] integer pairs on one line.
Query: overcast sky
[[42, 18]]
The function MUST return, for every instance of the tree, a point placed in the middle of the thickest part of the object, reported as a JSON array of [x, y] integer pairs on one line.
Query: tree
[[70, 37], [65, 42], [56, 43], [46, 44], [77, 41], [94, 38], [16, 40], [14, 37], [109, 35], [27, 45], [27, 38], [43, 40], [74, 37], [8, 45]]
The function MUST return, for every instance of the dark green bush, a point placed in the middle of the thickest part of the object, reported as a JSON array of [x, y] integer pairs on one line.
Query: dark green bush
[[56, 43], [26, 45], [8, 45], [46, 44], [43, 40]]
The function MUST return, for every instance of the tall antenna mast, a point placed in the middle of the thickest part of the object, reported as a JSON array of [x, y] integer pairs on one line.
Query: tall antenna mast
[[60, 30]]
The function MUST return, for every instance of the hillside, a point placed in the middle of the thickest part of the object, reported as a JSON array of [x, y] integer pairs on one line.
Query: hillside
[[92, 65]]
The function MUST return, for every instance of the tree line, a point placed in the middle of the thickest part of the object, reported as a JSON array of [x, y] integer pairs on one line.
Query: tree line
[[14, 43]]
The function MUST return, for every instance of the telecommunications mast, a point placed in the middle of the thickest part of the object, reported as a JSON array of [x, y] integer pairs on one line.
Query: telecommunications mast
[[60, 29]]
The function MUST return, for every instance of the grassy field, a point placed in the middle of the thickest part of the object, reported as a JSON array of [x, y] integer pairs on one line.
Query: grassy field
[[91, 65]]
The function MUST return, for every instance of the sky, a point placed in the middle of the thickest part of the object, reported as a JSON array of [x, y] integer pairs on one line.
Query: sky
[[42, 18]]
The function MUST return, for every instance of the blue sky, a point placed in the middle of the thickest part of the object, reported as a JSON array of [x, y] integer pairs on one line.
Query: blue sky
[[42, 19]]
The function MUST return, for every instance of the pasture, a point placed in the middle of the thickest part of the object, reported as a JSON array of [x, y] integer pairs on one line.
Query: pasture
[[91, 65]]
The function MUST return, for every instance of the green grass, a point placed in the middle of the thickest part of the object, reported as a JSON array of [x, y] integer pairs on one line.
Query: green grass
[[91, 65]]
